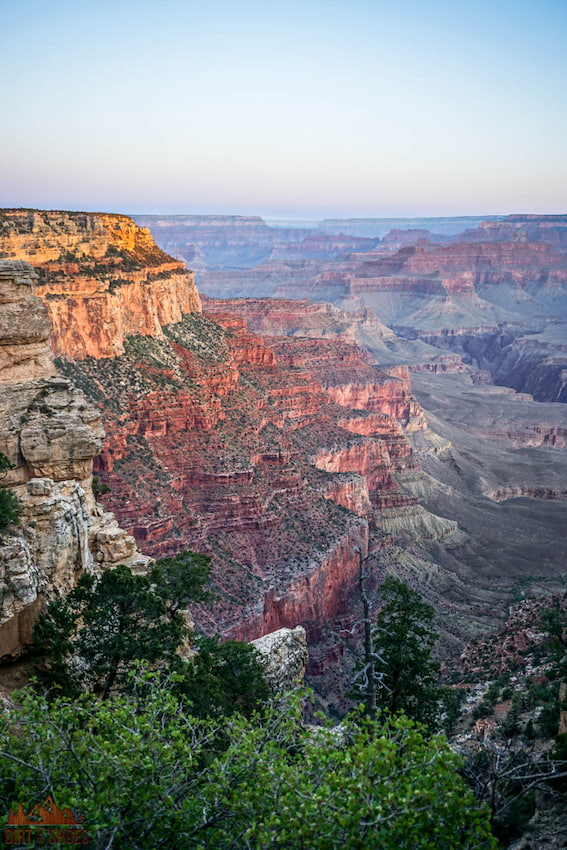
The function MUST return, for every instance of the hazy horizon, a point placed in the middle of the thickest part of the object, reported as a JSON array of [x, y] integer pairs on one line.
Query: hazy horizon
[[305, 111]]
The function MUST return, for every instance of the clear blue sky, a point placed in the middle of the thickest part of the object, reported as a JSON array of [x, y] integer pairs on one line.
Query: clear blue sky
[[292, 109]]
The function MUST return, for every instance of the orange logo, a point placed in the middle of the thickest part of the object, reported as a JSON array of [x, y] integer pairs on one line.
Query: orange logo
[[44, 824]]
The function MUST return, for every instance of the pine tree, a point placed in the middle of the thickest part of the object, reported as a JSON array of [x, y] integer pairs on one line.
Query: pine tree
[[405, 676], [404, 639]]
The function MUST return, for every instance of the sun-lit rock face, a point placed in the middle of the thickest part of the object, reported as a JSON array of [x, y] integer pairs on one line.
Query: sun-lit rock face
[[42, 236], [50, 434], [101, 277]]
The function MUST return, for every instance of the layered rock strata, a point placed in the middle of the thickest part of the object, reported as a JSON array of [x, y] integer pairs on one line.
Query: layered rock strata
[[99, 272], [231, 444], [281, 458], [50, 434]]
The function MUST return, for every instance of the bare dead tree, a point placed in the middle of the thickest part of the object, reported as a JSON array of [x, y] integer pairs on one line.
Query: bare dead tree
[[367, 677]]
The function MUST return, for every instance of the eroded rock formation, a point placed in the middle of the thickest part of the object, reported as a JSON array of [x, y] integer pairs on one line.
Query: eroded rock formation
[[275, 456], [50, 434]]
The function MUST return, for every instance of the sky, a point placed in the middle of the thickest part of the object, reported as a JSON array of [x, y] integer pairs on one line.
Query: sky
[[302, 110]]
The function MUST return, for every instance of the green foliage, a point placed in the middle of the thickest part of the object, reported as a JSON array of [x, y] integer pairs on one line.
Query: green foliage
[[548, 721], [146, 774], [510, 726], [483, 709], [554, 621], [452, 700], [492, 693], [181, 578], [9, 503], [99, 488], [94, 639], [107, 625], [201, 335], [223, 678], [403, 641], [9, 510]]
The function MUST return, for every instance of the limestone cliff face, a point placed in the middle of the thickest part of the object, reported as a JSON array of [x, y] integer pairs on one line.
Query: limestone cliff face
[[42, 236], [50, 433], [25, 354], [101, 278]]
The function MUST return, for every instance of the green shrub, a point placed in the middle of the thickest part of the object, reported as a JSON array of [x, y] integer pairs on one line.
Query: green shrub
[[9, 510], [144, 773], [9, 502]]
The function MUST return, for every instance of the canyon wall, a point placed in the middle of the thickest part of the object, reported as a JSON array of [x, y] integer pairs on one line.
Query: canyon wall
[[203, 241], [533, 363], [497, 295], [264, 434], [50, 433]]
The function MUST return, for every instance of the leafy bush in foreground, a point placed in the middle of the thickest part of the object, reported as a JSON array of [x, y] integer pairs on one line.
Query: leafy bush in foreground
[[146, 774]]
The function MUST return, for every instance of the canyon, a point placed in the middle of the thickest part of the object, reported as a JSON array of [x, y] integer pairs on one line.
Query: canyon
[[288, 436], [495, 294]]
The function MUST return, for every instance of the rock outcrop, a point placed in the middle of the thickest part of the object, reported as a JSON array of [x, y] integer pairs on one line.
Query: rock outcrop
[[25, 353], [50, 433], [284, 656]]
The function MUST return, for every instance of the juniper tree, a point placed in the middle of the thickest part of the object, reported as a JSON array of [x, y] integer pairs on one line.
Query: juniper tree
[[94, 638], [404, 674]]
